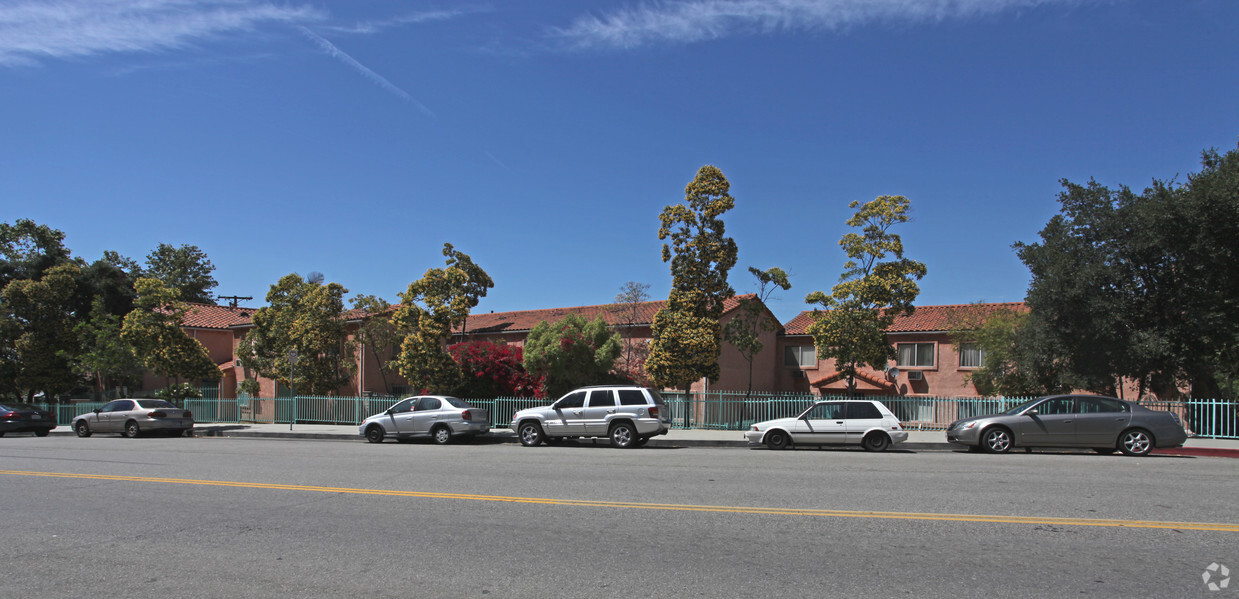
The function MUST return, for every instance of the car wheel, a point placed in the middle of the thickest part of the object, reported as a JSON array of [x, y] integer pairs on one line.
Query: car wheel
[[875, 442], [623, 435], [131, 429], [777, 440], [530, 434], [1136, 442], [996, 440], [1104, 450], [82, 429], [441, 435], [374, 433]]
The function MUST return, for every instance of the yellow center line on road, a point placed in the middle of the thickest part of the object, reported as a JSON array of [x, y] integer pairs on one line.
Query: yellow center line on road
[[1203, 526]]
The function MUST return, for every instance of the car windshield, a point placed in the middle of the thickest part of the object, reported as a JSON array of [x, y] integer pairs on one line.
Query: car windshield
[[1021, 407], [154, 403], [456, 403]]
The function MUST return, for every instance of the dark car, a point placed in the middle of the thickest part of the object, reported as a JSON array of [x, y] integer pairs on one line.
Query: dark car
[[1104, 424], [16, 418]]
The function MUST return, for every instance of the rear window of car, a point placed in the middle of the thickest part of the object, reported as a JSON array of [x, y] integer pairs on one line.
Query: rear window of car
[[456, 403], [632, 397], [149, 404], [863, 410]]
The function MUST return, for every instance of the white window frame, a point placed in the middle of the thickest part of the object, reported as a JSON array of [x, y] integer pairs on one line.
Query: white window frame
[[801, 353], [971, 348], [933, 354]]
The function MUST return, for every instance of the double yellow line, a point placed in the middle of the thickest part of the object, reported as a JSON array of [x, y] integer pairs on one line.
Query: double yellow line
[[1203, 526]]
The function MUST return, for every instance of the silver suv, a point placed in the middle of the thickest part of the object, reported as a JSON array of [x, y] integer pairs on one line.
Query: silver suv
[[627, 414]]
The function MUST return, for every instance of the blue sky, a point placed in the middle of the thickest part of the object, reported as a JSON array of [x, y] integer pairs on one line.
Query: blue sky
[[543, 138]]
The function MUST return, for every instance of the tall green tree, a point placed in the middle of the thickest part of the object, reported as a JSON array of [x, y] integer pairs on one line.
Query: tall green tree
[[186, 269], [429, 310], [744, 331], [878, 283], [36, 332], [687, 337], [28, 249], [153, 330], [1142, 285], [307, 318], [571, 353], [105, 358]]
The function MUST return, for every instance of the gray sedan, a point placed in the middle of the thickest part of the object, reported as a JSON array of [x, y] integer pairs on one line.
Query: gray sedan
[[132, 417], [438, 417], [1104, 424]]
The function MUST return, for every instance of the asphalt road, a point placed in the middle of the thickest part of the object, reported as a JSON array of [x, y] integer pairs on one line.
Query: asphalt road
[[217, 517]]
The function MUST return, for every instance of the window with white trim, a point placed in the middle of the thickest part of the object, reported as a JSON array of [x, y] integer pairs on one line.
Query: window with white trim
[[971, 355], [916, 354], [801, 356]]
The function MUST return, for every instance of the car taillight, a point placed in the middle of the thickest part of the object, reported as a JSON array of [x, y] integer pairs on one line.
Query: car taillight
[[653, 411], [187, 414], [465, 415], [13, 416], [157, 415]]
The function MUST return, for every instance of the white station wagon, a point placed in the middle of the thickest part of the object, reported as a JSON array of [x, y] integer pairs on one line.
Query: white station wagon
[[844, 422]]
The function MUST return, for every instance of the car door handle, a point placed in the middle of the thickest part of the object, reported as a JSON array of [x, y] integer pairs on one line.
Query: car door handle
[[610, 411]]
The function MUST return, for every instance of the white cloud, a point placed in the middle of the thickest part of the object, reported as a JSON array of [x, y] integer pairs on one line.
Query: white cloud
[[34, 30], [685, 21], [367, 27]]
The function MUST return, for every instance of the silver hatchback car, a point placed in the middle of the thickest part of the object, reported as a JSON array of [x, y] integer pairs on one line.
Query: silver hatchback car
[[866, 423], [1104, 424], [439, 417]]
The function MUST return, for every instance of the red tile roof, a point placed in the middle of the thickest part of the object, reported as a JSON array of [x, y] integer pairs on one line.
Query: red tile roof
[[207, 316], [873, 379], [524, 320], [924, 319]]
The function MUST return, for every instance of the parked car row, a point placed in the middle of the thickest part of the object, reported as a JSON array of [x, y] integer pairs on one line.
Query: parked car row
[[629, 416]]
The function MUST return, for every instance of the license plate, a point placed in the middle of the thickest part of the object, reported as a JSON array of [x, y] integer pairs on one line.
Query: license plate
[[37, 417]]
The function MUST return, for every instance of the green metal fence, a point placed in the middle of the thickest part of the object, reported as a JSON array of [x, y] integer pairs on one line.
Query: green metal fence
[[718, 410]]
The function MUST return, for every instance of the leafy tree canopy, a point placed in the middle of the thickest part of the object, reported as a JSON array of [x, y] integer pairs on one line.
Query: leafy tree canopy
[[877, 284], [572, 352], [307, 318], [1142, 285], [428, 311], [687, 337], [36, 334], [153, 330], [186, 269]]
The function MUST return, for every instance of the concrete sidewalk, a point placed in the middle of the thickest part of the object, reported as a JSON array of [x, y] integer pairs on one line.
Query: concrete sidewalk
[[917, 440]]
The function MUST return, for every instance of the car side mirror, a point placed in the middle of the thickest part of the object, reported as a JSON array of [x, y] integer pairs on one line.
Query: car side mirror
[[1032, 412], [97, 410]]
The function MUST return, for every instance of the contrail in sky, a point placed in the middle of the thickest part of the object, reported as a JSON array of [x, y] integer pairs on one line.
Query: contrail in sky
[[378, 79]]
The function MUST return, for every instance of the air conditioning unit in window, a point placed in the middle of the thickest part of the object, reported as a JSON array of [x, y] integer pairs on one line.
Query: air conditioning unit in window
[[916, 375]]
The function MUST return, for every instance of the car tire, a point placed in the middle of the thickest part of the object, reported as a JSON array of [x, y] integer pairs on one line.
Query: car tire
[[374, 433], [778, 440], [996, 440], [441, 435], [530, 434], [132, 430], [82, 429], [623, 435], [42, 433], [1135, 442], [875, 442]]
